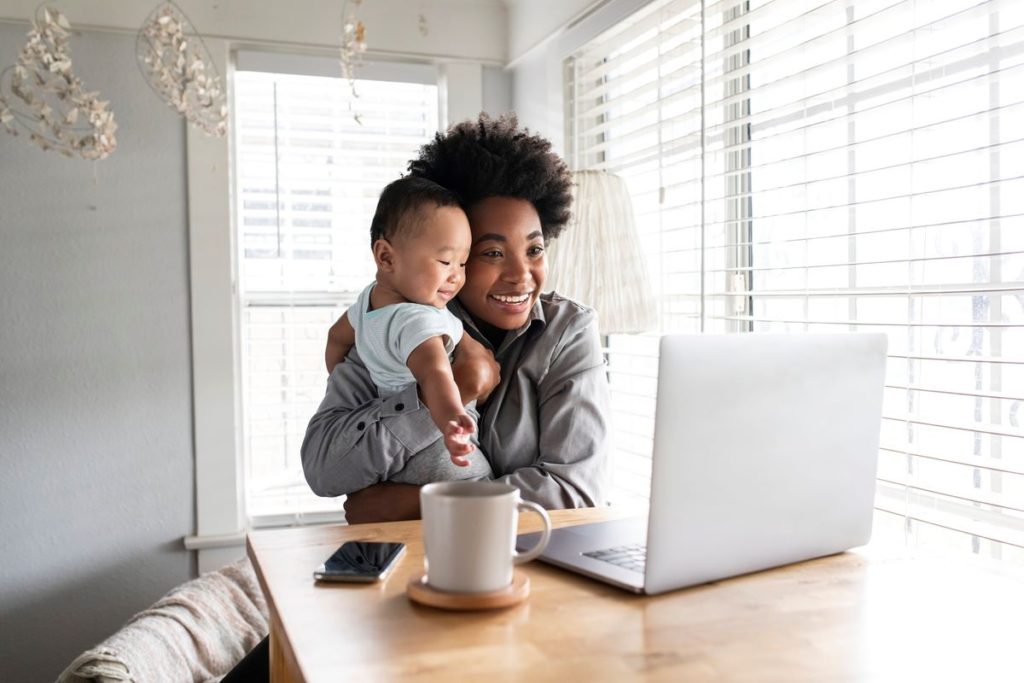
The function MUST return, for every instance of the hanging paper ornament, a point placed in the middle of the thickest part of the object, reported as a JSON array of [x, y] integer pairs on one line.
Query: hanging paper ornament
[[353, 45], [41, 97], [353, 39], [178, 67]]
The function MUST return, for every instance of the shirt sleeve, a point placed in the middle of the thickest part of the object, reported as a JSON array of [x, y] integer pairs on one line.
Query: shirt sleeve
[[574, 403], [415, 323], [357, 439]]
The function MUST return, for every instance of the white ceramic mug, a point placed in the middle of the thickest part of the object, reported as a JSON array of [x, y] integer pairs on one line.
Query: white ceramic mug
[[469, 534]]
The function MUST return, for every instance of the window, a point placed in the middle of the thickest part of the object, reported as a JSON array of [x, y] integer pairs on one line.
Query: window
[[824, 166], [307, 178]]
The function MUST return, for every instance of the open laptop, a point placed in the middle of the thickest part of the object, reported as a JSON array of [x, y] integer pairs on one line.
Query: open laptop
[[765, 451]]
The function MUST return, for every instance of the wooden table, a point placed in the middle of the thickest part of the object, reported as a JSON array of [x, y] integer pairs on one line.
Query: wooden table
[[858, 616]]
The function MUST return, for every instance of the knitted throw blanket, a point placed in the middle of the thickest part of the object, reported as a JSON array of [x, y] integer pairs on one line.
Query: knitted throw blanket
[[197, 632]]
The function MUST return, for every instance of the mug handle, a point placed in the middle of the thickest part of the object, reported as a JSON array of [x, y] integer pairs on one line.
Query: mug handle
[[535, 551]]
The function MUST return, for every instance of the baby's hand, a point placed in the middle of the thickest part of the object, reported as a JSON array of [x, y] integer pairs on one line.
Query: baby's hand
[[456, 438]]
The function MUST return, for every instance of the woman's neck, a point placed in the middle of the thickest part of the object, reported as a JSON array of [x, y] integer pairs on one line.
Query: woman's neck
[[495, 335]]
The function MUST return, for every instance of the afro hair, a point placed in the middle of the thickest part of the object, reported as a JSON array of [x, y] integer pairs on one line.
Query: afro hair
[[495, 158]]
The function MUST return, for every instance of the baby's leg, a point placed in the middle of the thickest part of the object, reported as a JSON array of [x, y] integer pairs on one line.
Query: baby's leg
[[427, 467]]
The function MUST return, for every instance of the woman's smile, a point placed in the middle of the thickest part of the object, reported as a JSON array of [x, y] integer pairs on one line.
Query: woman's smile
[[512, 299]]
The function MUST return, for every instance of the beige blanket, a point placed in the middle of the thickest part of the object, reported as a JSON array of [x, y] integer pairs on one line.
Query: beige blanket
[[197, 632]]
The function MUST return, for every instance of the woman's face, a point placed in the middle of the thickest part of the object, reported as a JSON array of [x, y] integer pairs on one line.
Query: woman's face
[[506, 266]]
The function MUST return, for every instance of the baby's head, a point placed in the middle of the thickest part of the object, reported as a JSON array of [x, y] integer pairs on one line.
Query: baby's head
[[421, 239]]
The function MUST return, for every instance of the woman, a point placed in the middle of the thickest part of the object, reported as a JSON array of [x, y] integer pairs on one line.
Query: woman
[[542, 423], [540, 383]]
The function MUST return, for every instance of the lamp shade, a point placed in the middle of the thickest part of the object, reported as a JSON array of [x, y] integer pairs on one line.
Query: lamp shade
[[597, 259]]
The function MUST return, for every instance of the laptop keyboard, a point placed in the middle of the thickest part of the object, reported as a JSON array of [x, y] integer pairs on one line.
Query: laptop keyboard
[[631, 556]]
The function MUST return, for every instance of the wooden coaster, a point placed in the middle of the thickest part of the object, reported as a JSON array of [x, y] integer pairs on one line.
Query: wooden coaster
[[513, 594]]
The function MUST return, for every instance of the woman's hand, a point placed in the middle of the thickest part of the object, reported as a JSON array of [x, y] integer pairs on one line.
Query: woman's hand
[[384, 502], [476, 372]]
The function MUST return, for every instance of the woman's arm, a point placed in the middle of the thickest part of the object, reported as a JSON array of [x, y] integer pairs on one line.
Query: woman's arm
[[574, 407], [383, 502], [476, 374], [357, 439]]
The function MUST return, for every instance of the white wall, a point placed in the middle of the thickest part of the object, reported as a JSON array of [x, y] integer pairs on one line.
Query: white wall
[[497, 90], [541, 36], [532, 22], [537, 95], [534, 48]]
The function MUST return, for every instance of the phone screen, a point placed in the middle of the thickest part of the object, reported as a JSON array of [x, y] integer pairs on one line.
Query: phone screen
[[360, 561]]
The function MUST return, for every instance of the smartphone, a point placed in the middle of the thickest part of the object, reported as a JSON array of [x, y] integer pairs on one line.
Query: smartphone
[[361, 561]]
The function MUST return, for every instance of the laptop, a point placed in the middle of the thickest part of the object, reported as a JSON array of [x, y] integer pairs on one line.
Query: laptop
[[765, 453]]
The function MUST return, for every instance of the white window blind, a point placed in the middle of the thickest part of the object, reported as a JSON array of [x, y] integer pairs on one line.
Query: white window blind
[[307, 178], [824, 166]]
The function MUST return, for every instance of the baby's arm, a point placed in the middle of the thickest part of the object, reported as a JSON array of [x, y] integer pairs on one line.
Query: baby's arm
[[340, 341], [433, 372]]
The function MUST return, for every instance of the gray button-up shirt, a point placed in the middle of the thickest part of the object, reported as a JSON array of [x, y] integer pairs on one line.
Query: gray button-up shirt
[[544, 428]]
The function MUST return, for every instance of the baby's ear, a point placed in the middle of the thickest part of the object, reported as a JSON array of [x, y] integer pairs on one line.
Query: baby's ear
[[384, 255]]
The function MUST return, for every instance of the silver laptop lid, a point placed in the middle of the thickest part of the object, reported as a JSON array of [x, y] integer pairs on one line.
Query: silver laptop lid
[[766, 450]]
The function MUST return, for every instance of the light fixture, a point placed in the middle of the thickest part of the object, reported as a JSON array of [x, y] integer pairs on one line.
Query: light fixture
[[597, 259]]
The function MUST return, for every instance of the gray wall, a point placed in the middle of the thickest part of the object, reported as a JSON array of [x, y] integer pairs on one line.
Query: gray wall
[[96, 461], [496, 90]]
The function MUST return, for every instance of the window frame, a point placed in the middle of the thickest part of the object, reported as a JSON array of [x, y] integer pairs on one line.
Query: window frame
[[221, 518], [329, 301]]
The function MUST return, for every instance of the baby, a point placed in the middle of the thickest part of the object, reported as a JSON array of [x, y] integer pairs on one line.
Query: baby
[[400, 324]]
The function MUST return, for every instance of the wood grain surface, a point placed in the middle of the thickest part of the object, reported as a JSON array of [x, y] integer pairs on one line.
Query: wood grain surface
[[865, 615]]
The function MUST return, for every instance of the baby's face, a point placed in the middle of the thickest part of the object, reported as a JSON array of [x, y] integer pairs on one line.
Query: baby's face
[[430, 267]]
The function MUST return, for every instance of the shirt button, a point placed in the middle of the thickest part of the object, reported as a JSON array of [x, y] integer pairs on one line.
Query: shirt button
[[361, 426], [399, 406]]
